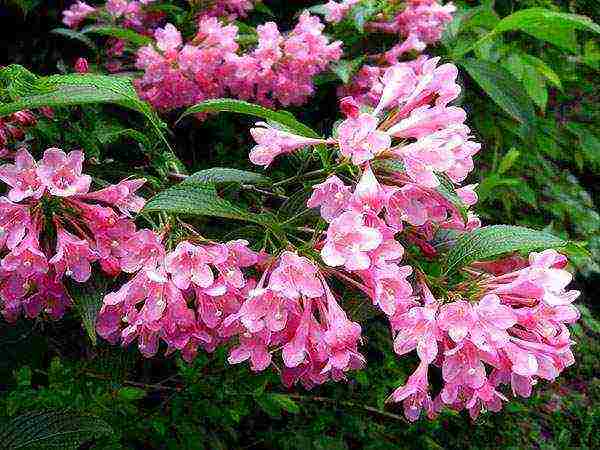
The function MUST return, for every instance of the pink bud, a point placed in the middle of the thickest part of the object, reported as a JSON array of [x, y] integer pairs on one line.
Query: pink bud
[[82, 66]]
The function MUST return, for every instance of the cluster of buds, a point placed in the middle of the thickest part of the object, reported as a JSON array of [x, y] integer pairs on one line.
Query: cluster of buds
[[52, 228], [14, 127]]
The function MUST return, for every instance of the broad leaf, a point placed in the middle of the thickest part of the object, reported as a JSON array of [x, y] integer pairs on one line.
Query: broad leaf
[[495, 240], [201, 199], [502, 87], [223, 175], [52, 429], [555, 27], [75, 35], [119, 33], [30, 91], [239, 106]]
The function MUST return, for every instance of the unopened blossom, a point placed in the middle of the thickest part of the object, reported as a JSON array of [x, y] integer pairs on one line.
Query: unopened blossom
[[272, 142], [81, 65], [61, 173], [349, 240]]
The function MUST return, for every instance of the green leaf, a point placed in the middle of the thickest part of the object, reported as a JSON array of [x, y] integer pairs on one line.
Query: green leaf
[[75, 35], [52, 429], [447, 190], [111, 136], [30, 91], [542, 68], [201, 199], [555, 27], [87, 298], [131, 393], [117, 32], [224, 175], [286, 403], [239, 106], [502, 87], [508, 160], [495, 240], [345, 68]]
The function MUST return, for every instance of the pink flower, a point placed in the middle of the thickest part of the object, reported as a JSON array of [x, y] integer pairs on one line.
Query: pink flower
[[142, 250], [392, 290], [254, 348], [76, 14], [26, 259], [414, 394], [168, 39], [121, 195], [61, 173], [348, 241], [359, 138], [337, 11], [332, 196], [273, 142], [189, 264], [417, 329], [73, 257], [295, 277], [369, 195], [81, 65], [22, 177], [15, 220]]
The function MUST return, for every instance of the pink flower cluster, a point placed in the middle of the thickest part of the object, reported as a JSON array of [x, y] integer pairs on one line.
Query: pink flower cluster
[[201, 295], [513, 333], [280, 70], [89, 227], [131, 14], [420, 24], [507, 323]]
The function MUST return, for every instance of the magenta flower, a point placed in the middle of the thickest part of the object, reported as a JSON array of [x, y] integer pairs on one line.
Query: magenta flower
[[26, 259], [61, 173], [348, 241], [254, 348], [392, 291], [22, 177], [359, 138], [369, 195]]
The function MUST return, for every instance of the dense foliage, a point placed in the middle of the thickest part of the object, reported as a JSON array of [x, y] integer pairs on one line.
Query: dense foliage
[[160, 289]]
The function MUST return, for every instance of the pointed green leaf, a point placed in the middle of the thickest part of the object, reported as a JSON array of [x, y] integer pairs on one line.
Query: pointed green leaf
[[555, 27], [494, 240], [76, 35], [201, 199], [52, 429], [87, 298], [239, 106], [502, 87], [117, 32], [223, 175]]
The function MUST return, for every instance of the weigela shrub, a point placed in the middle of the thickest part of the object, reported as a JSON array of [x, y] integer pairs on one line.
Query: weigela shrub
[[392, 179]]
